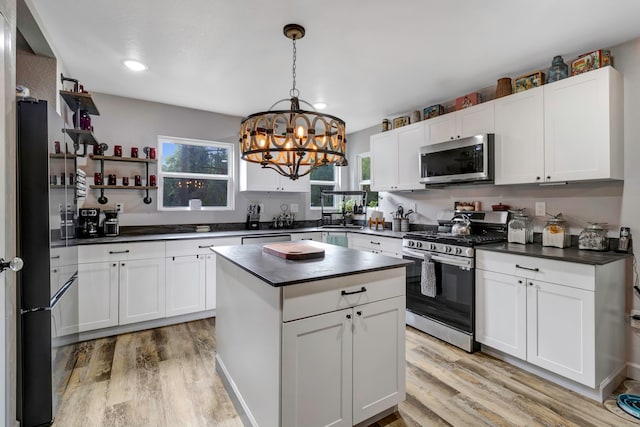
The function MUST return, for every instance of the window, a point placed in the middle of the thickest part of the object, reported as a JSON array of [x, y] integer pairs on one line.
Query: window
[[322, 178], [194, 169], [364, 176]]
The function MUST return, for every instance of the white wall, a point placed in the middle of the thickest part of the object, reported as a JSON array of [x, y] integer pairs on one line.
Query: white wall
[[136, 123], [617, 203]]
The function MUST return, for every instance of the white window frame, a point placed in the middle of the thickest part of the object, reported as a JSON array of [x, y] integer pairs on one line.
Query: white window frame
[[335, 183], [229, 177], [362, 182]]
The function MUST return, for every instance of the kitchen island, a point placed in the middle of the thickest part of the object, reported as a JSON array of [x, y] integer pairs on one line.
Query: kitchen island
[[311, 342]]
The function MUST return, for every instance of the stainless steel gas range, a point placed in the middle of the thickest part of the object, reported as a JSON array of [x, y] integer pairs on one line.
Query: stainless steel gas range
[[444, 304]]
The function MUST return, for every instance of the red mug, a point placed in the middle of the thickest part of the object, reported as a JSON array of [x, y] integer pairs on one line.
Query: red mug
[[125, 180], [97, 178], [117, 150], [134, 152], [152, 153], [137, 180], [112, 179], [57, 147], [152, 180]]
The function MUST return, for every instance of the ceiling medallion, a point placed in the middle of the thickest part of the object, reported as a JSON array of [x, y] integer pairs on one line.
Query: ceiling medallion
[[293, 142]]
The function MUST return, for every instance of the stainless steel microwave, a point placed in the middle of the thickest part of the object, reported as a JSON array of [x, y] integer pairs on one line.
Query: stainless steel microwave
[[459, 161]]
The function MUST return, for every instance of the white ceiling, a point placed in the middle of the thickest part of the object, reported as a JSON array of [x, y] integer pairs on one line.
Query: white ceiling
[[366, 59]]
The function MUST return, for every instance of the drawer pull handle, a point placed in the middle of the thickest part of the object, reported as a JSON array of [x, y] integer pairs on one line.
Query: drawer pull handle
[[527, 268], [348, 316], [119, 252], [374, 243], [359, 313], [204, 246], [362, 289], [55, 257]]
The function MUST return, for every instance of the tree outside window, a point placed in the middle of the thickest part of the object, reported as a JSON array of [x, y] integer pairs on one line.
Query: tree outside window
[[364, 176], [194, 169]]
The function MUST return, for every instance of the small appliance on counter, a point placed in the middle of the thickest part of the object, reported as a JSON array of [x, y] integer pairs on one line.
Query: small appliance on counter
[[67, 224], [88, 222], [625, 240], [253, 217], [110, 226]]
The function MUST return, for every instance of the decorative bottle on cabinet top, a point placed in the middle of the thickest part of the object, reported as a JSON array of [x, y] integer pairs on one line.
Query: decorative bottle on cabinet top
[[558, 70]]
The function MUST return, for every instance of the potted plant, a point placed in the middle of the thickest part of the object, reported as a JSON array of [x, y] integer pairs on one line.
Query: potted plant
[[375, 213], [346, 208]]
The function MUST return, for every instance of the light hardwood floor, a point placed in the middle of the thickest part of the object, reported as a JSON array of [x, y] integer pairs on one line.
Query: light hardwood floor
[[166, 377]]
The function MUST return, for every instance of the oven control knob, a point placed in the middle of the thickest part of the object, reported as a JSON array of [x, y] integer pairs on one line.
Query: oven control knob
[[458, 251], [418, 244], [410, 243], [433, 247], [447, 249]]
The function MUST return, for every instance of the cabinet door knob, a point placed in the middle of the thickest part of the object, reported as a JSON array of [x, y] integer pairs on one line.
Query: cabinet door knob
[[348, 316], [114, 265], [359, 313], [458, 136], [519, 281], [548, 177], [530, 283], [537, 178], [451, 137], [122, 264]]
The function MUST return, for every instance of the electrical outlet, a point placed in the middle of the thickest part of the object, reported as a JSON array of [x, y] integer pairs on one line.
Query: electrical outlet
[[541, 208], [120, 208], [635, 323], [293, 207]]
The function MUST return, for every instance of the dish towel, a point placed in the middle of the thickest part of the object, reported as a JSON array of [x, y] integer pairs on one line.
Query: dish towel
[[337, 240], [428, 278]]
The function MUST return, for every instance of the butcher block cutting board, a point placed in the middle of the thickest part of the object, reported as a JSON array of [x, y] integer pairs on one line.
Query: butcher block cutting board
[[294, 250]]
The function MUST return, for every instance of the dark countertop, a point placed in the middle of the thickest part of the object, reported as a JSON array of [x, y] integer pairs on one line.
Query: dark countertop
[[141, 236], [276, 271], [576, 255]]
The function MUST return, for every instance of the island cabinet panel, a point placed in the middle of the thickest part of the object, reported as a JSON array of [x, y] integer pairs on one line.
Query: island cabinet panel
[[185, 284], [316, 379], [378, 357], [142, 290]]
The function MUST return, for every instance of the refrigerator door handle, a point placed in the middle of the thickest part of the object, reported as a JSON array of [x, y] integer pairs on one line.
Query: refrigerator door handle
[[63, 289]]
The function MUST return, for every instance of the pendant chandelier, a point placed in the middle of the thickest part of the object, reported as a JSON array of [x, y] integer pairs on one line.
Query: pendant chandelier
[[293, 142]]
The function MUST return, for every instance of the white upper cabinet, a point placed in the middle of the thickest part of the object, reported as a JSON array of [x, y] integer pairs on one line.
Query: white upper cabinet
[[395, 158], [519, 138], [583, 118], [470, 121], [253, 177]]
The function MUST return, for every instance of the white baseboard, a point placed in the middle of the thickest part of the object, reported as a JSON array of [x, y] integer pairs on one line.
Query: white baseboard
[[599, 394], [633, 371], [232, 390]]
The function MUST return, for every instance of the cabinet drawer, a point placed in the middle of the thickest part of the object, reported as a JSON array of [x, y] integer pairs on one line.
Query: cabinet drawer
[[581, 276], [121, 251], [386, 245], [309, 299], [63, 256], [198, 246]]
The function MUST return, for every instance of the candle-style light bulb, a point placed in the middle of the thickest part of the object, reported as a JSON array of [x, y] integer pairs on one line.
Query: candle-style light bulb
[[300, 132]]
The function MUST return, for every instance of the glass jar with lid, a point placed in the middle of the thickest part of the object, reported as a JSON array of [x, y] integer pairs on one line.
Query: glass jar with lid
[[556, 232], [594, 237], [520, 227]]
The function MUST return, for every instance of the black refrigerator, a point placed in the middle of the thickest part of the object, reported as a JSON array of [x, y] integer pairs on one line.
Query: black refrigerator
[[45, 359]]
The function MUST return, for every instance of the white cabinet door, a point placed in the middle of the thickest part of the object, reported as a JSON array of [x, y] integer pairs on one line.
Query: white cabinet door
[[185, 284], [142, 290], [384, 161], [501, 312], [65, 314], [475, 120], [253, 177], [317, 370], [409, 142], [378, 357], [441, 128], [561, 330], [210, 282], [519, 138], [583, 127], [97, 295]]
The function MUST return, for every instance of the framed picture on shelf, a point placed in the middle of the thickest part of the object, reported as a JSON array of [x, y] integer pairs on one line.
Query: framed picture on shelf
[[528, 81], [398, 122]]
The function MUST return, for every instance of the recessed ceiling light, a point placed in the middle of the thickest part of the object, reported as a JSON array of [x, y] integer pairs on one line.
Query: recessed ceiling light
[[134, 65], [320, 105]]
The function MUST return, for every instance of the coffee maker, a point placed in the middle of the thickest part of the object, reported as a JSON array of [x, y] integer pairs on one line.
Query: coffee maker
[[88, 221], [110, 224]]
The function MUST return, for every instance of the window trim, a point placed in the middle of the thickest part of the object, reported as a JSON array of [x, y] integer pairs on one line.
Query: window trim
[[359, 179], [229, 177]]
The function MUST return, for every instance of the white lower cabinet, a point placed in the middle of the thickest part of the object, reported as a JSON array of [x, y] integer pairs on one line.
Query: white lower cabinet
[[142, 290], [185, 284], [565, 317], [343, 367], [313, 235], [97, 295], [378, 245]]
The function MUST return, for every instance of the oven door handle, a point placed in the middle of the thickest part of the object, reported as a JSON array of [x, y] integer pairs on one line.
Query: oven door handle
[[464, 262], [415, 254]]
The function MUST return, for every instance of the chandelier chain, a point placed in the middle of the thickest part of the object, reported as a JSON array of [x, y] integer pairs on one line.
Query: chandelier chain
[[294, 92]]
